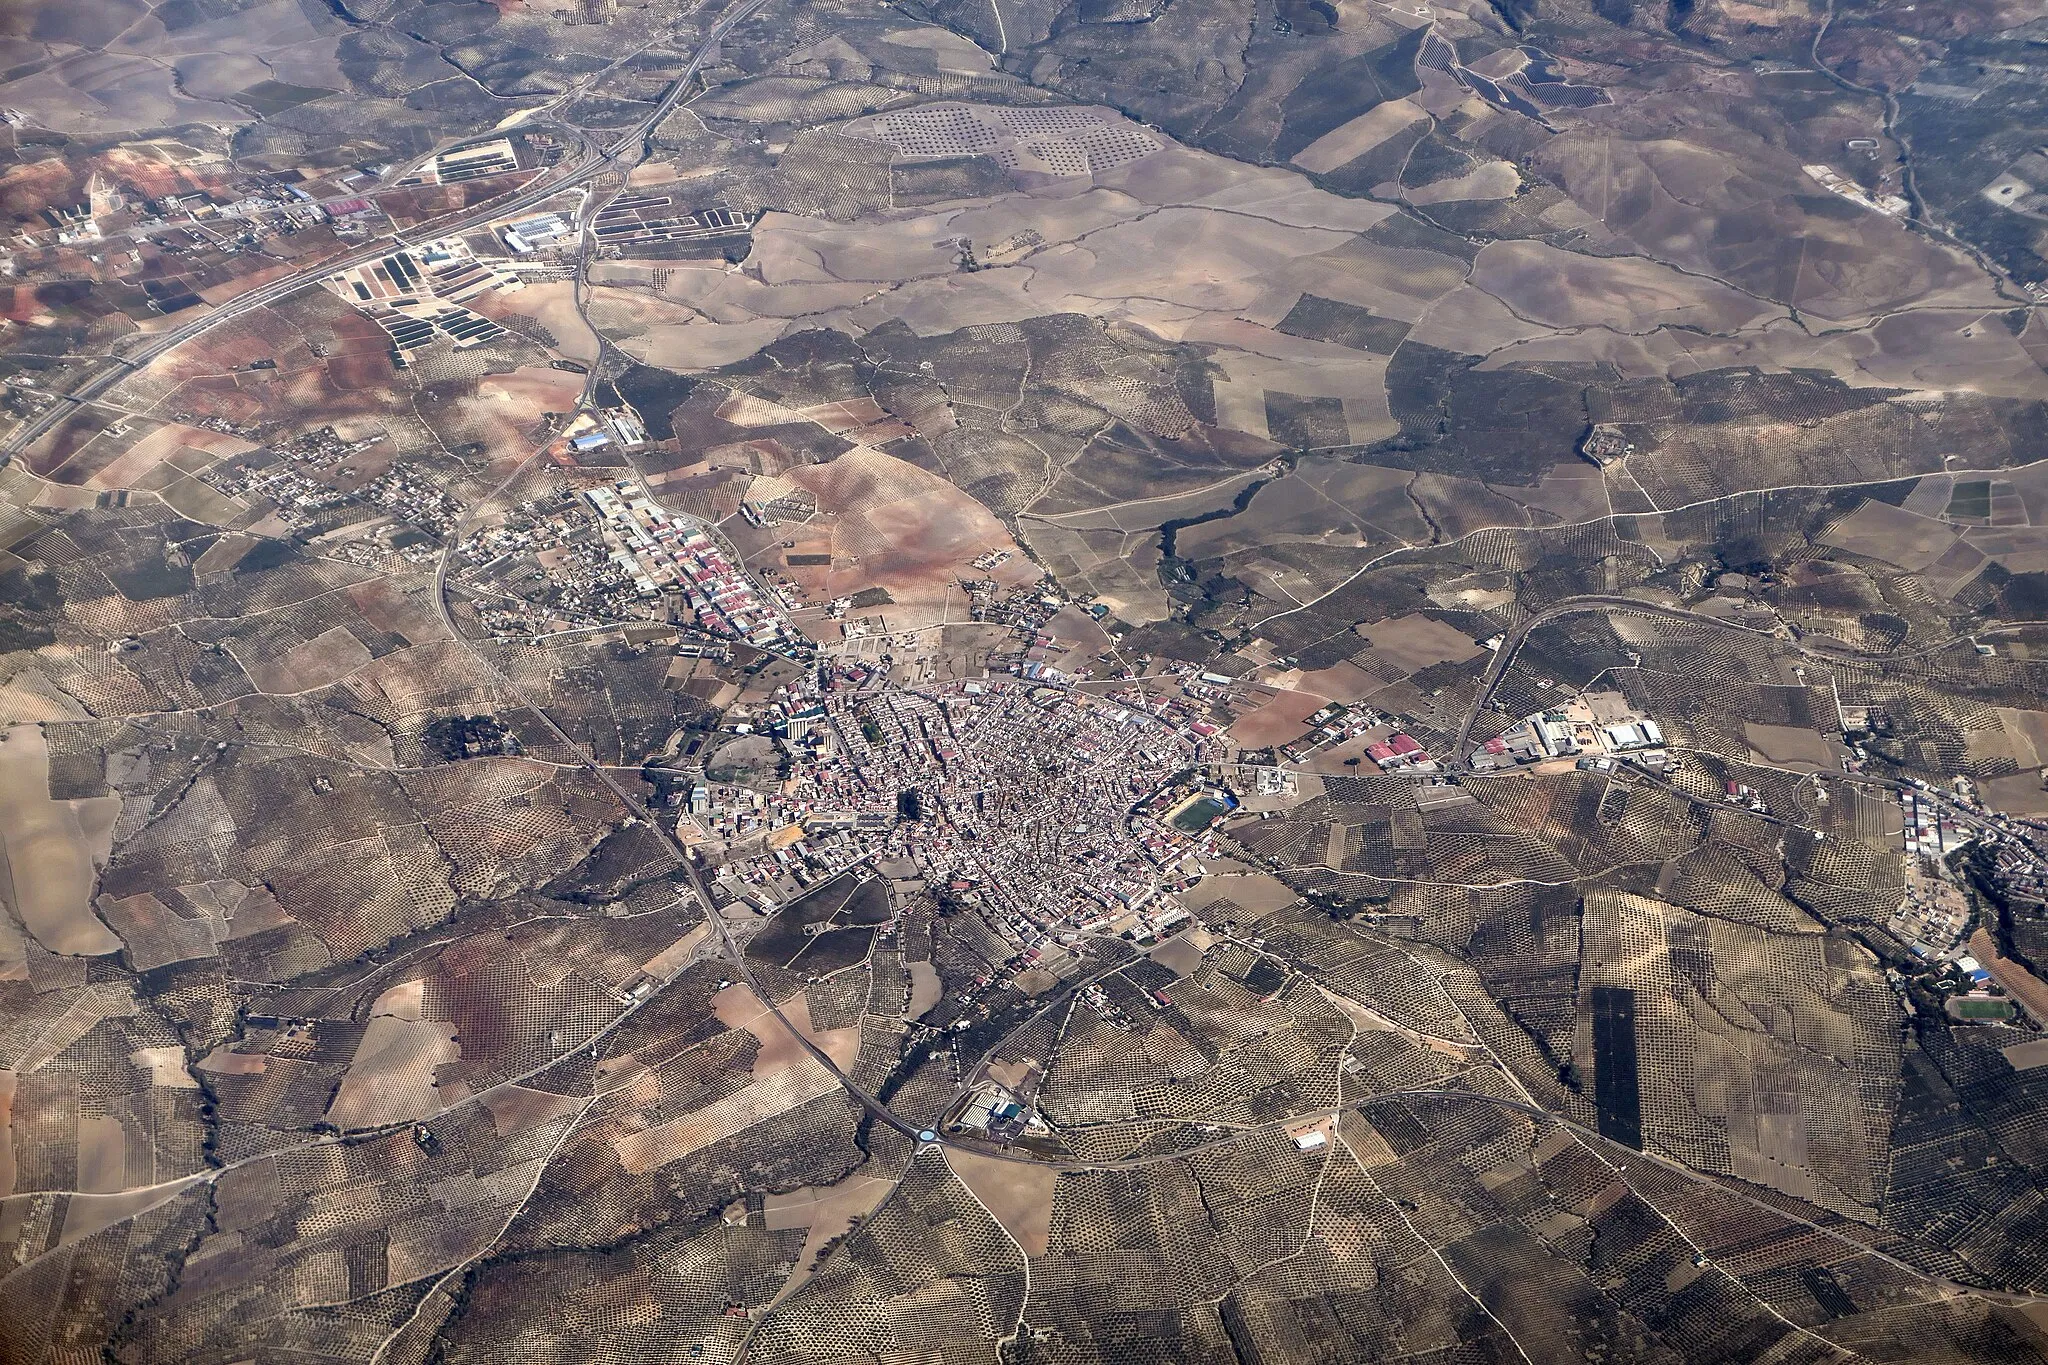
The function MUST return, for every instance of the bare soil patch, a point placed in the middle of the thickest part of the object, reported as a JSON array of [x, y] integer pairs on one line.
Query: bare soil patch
[[1016, 1194], [827, 1211], [1412, 643], [1792, 746], [2019, 794], [1892, 534], [1282, 716], [738, 1007], [50, 855], [925, 989]]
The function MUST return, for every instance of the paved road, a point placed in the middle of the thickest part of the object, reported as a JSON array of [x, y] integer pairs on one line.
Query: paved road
[[111, 370], [729, 947]]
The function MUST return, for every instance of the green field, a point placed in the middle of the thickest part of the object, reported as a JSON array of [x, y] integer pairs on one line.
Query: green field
[[1971, 500], [1197, 816]]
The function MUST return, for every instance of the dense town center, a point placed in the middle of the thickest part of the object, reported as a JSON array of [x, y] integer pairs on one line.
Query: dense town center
[[1041, 804]]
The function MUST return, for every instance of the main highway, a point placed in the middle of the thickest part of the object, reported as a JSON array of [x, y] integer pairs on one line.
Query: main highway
[[110, 370]]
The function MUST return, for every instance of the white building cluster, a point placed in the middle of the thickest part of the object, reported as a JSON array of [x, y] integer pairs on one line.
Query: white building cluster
[[661, 552], [1590, 725]]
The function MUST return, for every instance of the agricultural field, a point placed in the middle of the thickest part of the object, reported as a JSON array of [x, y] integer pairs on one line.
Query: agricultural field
[[1021, 684]]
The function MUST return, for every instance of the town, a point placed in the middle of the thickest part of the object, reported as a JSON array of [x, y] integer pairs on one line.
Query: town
[[1055, 813]]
